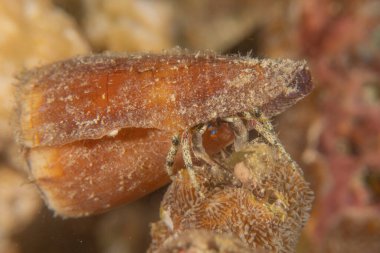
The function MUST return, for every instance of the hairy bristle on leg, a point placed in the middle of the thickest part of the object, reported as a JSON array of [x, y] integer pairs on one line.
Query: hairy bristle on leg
[[241, 133], [175, 142], [186, 152], [263, 127], [198, 148]]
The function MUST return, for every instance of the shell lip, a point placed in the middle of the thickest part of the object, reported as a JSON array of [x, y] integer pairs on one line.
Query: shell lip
[[302, 82]]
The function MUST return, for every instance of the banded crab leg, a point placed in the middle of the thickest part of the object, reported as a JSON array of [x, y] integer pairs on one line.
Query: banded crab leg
[[171, 154], [186, 153], [241, 137], [263, 127], [197, 145], [240, 131], [191, 140]]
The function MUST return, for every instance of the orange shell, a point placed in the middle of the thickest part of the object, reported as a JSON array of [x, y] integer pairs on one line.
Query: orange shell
[[91, 176], [97, 128], [90, 97]]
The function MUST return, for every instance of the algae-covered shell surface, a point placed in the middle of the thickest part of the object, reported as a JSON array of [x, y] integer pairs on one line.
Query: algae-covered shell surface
[[93, 96]]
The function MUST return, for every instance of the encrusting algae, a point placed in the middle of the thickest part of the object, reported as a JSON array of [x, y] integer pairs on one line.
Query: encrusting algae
[[264, 203]]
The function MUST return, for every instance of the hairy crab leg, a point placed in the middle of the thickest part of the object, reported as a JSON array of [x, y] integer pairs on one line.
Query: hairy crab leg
[[240, 131], [263, 127], [186, 153], [191, 141], [171, 154], [198, 148]]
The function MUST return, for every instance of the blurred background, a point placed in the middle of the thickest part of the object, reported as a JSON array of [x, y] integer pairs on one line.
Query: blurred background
[[334, 134]]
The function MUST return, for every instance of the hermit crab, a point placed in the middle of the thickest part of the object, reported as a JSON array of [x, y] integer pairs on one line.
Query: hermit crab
[[98, 96]]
